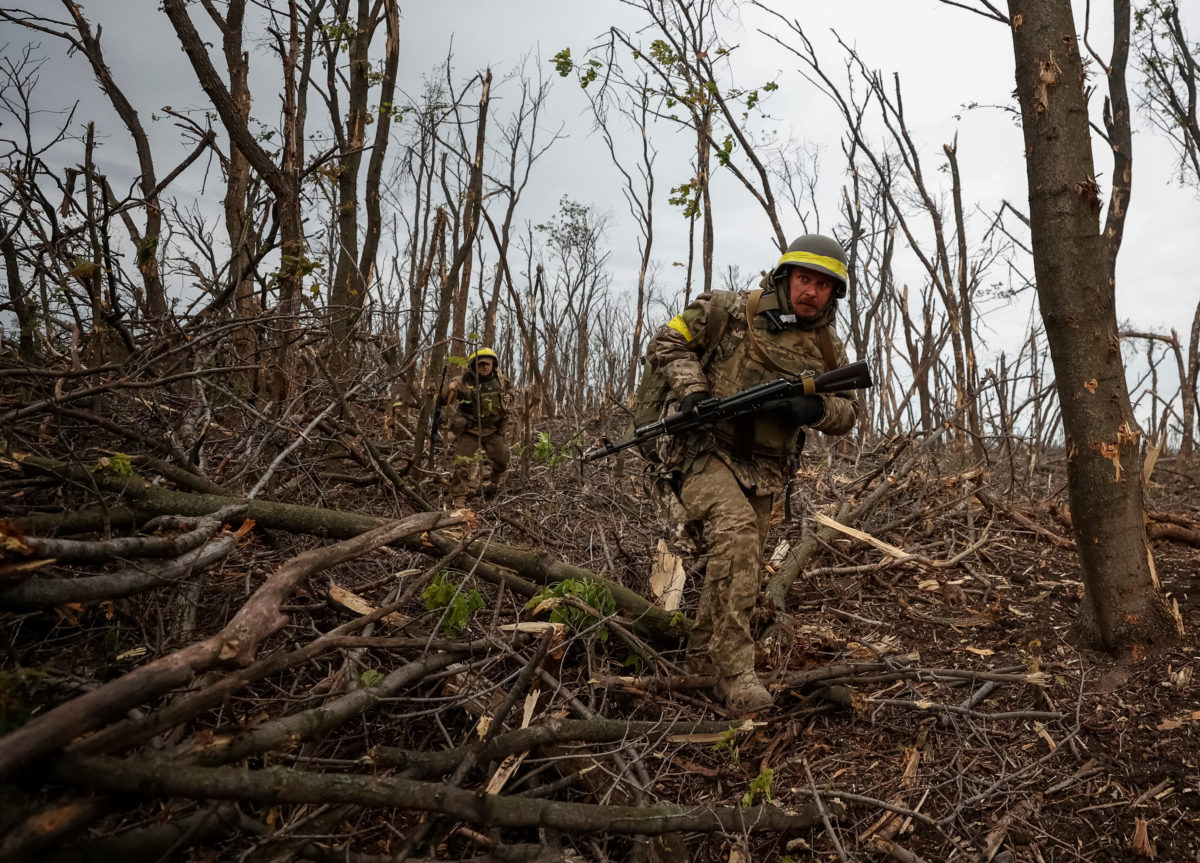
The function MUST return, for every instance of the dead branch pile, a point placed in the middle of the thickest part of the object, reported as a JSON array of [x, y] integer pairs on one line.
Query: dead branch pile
[[274, 656]]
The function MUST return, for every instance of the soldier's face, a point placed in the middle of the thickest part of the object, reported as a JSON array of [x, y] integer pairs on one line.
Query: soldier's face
[[484, 367], [809, 291]]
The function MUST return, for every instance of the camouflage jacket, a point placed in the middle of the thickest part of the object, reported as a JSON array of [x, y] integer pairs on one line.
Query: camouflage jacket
[[708, 347], [481, 405]]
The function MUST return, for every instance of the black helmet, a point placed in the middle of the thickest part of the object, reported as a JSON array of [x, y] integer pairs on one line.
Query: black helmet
[[815, 252]]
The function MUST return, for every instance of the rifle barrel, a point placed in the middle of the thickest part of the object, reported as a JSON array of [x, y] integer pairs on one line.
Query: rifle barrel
[[853, 376]]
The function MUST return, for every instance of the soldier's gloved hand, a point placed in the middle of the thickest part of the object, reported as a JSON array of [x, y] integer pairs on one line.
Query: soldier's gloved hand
[[688, 402], [798, 410]]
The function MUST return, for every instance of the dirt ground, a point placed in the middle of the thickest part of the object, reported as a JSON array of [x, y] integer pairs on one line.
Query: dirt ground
[[938, 708]]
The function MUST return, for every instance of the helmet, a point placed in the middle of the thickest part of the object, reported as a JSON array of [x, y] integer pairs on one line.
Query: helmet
[[483, 354], [815, 252]]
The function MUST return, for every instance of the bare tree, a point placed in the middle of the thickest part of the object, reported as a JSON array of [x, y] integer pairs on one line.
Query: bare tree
[[1170, 64], [354, 35], [1073, 262], [283, 178]]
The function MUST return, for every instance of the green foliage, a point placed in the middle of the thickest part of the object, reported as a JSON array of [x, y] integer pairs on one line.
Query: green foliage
[[676, 619], [728, 747], [370, 678], [460, 606], [725, 151], [121, 465], [760, 786], [661, 53], [339, 33], [118, 463], [461, 362], [564, 66], [397, 113], [686, 195], [474, 458], [591, 593], [298, 266], [544, 450], [146, 249]]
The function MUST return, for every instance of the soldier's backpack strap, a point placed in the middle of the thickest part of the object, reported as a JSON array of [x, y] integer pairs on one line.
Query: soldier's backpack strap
[[825, 334], [751, 311]]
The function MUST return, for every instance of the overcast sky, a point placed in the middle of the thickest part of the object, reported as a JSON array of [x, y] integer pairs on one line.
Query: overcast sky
[[947, 58]]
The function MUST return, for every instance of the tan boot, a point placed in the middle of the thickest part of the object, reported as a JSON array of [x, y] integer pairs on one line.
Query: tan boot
[[743, 693]]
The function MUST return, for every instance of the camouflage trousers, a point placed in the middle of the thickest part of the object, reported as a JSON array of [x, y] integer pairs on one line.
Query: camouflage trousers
[[496, 451], [735, 530]]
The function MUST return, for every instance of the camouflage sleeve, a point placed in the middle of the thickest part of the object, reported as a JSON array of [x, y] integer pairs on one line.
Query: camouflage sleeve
[[841, 408], [676, 348]]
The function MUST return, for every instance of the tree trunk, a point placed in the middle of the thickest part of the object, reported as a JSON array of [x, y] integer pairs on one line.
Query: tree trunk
[[1123, 606], [1187, 388]]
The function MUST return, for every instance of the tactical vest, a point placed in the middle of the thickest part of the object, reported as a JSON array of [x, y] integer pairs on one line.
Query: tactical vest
[[735, 361], [755, 347], [481, 402]]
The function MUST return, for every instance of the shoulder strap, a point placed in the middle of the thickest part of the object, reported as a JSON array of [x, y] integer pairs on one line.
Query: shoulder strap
[[751, 311], [825, 334]]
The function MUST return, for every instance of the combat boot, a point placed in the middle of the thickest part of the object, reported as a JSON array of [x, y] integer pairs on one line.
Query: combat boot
[[743, 693]]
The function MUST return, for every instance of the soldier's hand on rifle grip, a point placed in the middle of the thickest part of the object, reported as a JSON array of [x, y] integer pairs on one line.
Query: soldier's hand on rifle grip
[[688, 403], [798, 410]]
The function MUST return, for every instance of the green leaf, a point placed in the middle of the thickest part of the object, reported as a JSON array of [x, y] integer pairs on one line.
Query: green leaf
[[563, 64], [370, 678], [592, 593], [458, 606]]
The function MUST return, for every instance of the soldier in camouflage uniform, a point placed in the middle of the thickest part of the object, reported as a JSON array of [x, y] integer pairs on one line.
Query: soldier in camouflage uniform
[[727, 477], [481, 399]]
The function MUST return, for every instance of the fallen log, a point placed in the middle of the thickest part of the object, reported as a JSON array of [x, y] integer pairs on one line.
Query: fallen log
[[149, 500], [275, 785], [51, 592], [552, 731], [235, 644]]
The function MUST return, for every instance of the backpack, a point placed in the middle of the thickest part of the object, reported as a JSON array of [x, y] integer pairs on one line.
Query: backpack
[[654, 391]]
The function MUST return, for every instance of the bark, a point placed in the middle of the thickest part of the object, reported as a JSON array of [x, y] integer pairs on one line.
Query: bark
[[274, 785], [383, 125], [285, 732], [159, 841], [283, 179], [147, 241], [235, 645], [52, 592], [460, 267], [1123, 605], [17, 295], [53, 824], [490, 559], [422, 764], [352, 276], [73, 551], [240, 228], [1188, 389]]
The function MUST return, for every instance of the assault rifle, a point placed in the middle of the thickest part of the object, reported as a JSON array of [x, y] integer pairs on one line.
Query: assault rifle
[[854, 376]]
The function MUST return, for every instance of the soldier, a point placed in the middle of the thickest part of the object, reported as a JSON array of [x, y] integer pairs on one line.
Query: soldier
[[728, 476], [482, 398]]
